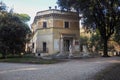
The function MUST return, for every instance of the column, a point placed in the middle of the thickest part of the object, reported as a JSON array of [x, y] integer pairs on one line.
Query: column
[[61, 45], [73, 45]]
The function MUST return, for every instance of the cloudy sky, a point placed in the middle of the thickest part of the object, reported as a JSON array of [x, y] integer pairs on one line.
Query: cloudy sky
[[30, 7]]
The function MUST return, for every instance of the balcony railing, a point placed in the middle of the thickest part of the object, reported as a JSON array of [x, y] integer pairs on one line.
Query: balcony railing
[[41, 50], [55, 11]]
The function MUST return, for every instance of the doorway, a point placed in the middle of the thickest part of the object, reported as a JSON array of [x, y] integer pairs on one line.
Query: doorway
[[66, 45]]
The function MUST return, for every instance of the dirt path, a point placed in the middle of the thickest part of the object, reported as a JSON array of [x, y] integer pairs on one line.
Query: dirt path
[[82, 69]]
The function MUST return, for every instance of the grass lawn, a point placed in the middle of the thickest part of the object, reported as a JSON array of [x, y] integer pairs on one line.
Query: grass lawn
[[110, 73], [32, 60]]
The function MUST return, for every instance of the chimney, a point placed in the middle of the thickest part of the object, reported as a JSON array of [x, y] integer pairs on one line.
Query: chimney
[[55, 7], [49, 7]]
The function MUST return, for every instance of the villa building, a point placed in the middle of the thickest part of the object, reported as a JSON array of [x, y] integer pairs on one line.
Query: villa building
[[55, 31]]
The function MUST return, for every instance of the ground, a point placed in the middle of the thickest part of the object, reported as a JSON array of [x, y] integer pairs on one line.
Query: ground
[[81, 69], [110, 73]]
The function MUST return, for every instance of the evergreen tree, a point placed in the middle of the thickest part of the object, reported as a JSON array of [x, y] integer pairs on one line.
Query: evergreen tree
[[13, 32]]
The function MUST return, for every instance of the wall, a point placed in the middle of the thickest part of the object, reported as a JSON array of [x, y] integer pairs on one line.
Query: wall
[[55, 28]]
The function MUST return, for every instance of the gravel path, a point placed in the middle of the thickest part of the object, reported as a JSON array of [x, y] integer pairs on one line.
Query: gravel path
[[82, 69]]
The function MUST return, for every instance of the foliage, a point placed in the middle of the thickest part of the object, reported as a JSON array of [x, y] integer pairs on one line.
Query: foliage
[[13, 31], [96, 41], [117, 35], [83, 40], [23, 17], [101, 14]]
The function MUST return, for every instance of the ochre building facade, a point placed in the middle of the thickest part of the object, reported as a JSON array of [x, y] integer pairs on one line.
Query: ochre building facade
[[55, 31]]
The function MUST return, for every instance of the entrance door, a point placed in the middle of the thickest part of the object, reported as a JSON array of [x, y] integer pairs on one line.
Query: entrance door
[[44, 47], [66, 45]]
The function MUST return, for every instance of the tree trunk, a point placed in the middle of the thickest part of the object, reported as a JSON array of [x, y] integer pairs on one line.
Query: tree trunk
[[4, 55], [105, 52]]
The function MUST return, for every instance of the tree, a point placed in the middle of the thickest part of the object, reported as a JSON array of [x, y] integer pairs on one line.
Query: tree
[[13, 32], [23, 17], [96, 41], [101, 14], [83, 41], [116, 36]]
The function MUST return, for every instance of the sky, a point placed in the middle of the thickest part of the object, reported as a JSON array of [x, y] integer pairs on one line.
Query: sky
[[30, 7]]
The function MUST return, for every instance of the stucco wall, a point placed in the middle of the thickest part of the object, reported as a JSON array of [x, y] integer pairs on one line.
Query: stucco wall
[[55, 28], [48, 38]]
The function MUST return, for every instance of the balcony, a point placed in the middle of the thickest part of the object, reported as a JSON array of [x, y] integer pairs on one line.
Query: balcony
[[41, 50]]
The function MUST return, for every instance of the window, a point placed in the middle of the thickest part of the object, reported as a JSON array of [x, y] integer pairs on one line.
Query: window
[[32, 45], [44, 24], [66, 24], [44, 46]]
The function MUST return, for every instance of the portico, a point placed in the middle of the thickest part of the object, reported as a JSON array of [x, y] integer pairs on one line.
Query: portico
[[66, 41]]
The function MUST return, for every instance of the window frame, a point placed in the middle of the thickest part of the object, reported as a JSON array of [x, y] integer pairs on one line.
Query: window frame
[[44, 24], [66, 24], [44, 45]]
